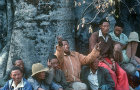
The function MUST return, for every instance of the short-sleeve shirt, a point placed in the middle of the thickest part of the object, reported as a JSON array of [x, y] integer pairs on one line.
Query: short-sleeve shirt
[[122, 39]]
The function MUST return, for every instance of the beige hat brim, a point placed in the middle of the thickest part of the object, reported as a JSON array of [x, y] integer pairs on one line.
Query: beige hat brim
[[43, 70], [133, 40]]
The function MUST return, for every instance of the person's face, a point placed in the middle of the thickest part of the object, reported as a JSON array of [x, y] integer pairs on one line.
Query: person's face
[[16, 75], [54, 63], [20, 64], [65, 46], [41, 75], [105, 28], [118, 30], [94, 64]]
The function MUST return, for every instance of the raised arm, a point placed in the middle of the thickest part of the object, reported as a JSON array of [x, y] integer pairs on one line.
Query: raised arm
[[59, 51], [90, 57], [92, 41]]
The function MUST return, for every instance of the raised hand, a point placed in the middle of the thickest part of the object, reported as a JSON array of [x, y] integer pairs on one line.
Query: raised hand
[[97, 46], [40, 89], [49, 64], [113, 64], [59, 39]]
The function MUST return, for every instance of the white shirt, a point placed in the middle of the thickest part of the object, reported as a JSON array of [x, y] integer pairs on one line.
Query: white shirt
[[20, 85], [93, 80], [101, 35]]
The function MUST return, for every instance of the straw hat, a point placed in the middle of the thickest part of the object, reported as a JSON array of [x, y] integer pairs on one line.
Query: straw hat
[[133, 37], [37, 68]]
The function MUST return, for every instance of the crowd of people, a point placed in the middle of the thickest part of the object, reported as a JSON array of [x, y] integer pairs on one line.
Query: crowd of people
[[111, 64]]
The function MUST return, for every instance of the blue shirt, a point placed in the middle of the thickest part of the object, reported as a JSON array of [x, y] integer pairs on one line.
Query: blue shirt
[[26, 85], [35, 84], [123, 39]]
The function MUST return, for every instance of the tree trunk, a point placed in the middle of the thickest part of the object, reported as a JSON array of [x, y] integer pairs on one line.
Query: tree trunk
[[36, 24]]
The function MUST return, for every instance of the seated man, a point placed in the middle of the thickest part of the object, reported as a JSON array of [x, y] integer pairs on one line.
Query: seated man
[[71, 62], [38, 79], [106, 54], [59, 77], [17, 81], [128, 48], [97, 78], [130, 63], [118, 36], [19, 63]]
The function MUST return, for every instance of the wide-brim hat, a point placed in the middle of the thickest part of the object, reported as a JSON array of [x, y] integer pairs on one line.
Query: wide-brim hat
[[37, 68], [133, 37]]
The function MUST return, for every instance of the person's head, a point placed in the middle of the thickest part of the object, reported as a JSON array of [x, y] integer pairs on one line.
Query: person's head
[[40, 75], [16, 74], [39, 71], [94, 65], [104, 26], [118, 28], [133, 37], [66, 46], [19, 63], [53, 61]]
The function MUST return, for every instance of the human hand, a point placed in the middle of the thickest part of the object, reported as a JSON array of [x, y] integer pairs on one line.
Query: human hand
[[49, 64], [117, 47], [60, 89], [118, 57], [97, 46], [40, 89], [113, 64], [59, 39]]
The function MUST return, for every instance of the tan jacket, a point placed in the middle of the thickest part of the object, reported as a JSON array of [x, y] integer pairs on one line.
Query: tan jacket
[[71, 64]]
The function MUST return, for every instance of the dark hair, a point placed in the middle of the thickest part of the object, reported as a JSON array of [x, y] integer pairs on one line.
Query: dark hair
[[52, 56], [103, 20], [16, 60], [119, 24], [65, 40], [16, 68]]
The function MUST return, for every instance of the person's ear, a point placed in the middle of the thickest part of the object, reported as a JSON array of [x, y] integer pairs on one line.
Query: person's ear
[[11, 75]]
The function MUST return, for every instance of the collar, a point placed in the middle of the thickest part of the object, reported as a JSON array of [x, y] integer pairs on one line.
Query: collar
[[92, 73], [116, 36], [71, 53], [21, 84], [101, 35]]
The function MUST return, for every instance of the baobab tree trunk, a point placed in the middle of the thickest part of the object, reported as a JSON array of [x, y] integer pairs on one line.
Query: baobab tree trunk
[[36, 24]]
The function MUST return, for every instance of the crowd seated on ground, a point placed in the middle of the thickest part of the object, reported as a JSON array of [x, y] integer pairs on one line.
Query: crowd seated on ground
[[112, 64]]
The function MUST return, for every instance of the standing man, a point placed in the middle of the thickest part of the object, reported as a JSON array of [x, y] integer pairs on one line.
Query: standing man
[[71, 62]]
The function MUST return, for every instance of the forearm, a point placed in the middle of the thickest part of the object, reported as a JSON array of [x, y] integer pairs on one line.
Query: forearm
[[59, 53], [90, 57]]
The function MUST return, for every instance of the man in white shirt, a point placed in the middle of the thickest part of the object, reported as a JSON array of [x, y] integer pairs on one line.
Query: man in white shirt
[[97, 78], [17, 81]]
